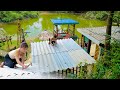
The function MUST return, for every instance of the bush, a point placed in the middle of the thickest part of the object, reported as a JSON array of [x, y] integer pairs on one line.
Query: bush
[[100, 15], [108, 67], [9, 16]]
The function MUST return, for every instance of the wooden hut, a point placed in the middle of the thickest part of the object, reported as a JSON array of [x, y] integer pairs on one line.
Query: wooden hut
[[95, 38]]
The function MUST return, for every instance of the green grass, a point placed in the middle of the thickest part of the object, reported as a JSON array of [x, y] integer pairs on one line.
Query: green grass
[[37, 40], [5, 46]]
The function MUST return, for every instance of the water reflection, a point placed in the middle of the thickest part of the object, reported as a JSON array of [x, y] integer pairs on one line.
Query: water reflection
[[32, 30], [35, 29]]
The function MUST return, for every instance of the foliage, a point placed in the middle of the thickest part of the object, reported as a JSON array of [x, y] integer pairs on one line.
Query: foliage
[[108, 67], [9, 16], [100, 15]]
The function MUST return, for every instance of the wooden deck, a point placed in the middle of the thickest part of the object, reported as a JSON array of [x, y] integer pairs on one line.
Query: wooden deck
[[65, 54]]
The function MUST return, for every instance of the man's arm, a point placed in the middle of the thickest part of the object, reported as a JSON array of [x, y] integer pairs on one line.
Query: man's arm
[[23, 59], [18, 61]]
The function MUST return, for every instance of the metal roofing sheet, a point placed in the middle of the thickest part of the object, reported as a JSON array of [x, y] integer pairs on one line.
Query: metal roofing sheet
[[97, 34], [63, 21], [65, 54]]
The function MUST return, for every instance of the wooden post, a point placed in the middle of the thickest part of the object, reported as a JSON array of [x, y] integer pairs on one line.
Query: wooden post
[[18, 33], [81, 40], [7, 43], [56, 29], [76, 70], [73, 29], [23, 35], [73, 70], [96, 52], [66, 72], [89, 45], [62, 72], [68, 29], [99, 52], [53, 30]]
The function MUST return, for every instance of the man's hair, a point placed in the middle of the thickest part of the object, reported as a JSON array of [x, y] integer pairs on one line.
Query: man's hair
[[55, 36], [24, 44]]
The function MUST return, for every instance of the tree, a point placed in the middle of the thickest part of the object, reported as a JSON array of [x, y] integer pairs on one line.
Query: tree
[[108, 30]]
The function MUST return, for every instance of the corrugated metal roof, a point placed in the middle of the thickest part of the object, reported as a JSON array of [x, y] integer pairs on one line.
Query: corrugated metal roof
[[97, 34], [63, 21], [65, 54], [30, 73]]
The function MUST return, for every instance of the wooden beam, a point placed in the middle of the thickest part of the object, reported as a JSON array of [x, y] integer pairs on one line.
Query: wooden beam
[[73, 29], [56, 29], [97, 51], [89, 45], [68, 29]]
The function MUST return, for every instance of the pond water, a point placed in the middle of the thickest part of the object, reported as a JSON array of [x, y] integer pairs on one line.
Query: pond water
[[36, 25]]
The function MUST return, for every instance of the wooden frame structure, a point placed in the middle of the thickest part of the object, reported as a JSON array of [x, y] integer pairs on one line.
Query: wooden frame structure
[[68, 22]]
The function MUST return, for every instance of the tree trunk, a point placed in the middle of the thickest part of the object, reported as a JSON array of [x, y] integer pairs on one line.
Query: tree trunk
[[108, 30]]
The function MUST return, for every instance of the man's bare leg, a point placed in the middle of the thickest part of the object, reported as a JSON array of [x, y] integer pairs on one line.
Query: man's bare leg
[[2, 64]]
